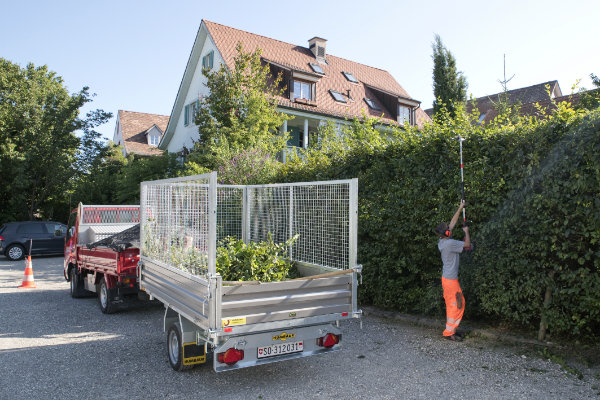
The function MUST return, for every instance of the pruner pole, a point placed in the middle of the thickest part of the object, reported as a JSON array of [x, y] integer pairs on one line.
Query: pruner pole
[[462, 178]]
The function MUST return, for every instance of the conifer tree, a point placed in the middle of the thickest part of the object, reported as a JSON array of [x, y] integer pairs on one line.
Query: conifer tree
[[449, 85]]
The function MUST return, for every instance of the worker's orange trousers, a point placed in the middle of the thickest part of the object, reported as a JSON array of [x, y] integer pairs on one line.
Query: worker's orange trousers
[[455, 305]]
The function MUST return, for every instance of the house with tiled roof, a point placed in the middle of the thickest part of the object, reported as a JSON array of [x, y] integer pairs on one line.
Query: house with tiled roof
[[139, 133], [319, 86], [526, 97]]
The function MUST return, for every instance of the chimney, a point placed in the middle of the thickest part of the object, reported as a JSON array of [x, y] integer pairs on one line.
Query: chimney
[[318, 45]]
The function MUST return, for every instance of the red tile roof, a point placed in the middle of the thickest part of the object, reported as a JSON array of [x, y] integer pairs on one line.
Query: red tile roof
[[538, 108], [297, 58], [134, 126]]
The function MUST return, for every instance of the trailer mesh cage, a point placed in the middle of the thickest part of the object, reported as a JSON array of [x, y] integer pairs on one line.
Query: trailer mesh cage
[[184, 219]]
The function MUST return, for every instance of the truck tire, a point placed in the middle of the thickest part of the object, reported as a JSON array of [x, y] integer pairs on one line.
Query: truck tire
[[175, 348], [77, 289], [105, 298]]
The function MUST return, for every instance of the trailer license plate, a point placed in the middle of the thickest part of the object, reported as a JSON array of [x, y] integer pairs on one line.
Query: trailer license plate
[[278, 349]]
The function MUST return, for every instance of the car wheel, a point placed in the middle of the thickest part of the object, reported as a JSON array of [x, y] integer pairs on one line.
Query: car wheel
[[175, 348], [105, 298], [15, 252], [77, 289]]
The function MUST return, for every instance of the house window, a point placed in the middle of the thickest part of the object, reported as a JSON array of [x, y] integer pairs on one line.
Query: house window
[[189, 113], [350, 77], [338, 96], [403, 115], [372, 104], [303, 90], [154, 139], [208, 60]]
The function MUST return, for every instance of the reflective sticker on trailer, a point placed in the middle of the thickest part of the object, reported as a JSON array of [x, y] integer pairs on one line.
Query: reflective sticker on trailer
[[233, 321], [284, 336]]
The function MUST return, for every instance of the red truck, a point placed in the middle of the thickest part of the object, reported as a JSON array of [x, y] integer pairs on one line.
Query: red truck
[[102, 253]]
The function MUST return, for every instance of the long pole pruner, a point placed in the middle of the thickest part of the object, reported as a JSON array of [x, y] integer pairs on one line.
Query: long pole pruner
[[462, 178]]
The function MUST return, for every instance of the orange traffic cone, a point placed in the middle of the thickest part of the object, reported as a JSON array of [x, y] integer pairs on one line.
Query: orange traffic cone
[[28, 282]]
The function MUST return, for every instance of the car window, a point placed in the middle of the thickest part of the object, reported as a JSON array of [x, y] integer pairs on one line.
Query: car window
[[30, 228], [56, 229], [71, 226], [2, 228]]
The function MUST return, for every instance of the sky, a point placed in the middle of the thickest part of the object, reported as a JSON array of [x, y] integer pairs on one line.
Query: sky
[[132, 54]]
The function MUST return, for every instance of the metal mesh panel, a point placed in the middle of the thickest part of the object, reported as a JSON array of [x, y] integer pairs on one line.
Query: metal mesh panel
[[175, 227], [110, 215], [321, 219], [319, 213], [230, 210], [269, 211]]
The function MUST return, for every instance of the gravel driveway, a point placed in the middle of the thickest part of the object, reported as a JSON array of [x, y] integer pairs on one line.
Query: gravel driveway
[[53, 346]]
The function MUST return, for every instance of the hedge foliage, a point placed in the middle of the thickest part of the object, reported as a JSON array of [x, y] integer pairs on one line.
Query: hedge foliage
[[532, 189]]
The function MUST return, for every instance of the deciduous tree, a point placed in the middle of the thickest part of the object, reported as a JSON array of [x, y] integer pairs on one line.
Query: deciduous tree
[[40, 150], [239, 114]]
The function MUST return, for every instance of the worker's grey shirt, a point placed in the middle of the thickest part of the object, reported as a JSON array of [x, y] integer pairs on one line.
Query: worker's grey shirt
[[450, 250]]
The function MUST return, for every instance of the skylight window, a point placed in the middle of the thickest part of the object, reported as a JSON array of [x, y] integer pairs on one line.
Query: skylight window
[[372, 104], [317, 68], [338, 96], [350, 77]]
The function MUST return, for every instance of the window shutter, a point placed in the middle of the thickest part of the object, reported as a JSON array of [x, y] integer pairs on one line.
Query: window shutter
[[291, 87], [186, 116], [211, 58]]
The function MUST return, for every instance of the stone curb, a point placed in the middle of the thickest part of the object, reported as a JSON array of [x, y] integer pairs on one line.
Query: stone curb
[[434, 323]]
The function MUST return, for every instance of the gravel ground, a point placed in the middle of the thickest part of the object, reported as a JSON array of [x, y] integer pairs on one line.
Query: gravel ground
[[53, 346]]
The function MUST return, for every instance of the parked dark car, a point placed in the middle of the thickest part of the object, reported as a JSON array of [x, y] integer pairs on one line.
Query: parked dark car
[[46, 237]]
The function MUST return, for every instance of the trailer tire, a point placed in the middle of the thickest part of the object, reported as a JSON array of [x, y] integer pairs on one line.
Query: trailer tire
[[175, 348], [105, 298], [77, 289]]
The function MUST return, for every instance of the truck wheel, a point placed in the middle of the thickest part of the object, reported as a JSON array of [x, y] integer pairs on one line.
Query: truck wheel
[[77, 289], [15, 252], [175, 348], [105, 298]]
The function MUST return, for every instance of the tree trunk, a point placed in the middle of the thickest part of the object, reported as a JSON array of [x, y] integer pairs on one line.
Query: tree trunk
[[547, 302]]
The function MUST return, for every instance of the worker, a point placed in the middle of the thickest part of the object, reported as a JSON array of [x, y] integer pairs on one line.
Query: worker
[[450, 250]]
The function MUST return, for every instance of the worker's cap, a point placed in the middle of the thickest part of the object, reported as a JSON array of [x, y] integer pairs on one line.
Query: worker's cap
[[442, 229]]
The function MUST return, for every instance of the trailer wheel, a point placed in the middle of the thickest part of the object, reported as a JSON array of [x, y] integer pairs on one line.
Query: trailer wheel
[[105, 298], [77, 289], [175, 348]]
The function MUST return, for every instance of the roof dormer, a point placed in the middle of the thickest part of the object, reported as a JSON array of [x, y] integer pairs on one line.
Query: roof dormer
[[318, 47]]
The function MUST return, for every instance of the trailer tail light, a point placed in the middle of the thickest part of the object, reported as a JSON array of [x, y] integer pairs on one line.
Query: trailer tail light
[[231, 356], [344, 314], [329, 340], [1, 238]]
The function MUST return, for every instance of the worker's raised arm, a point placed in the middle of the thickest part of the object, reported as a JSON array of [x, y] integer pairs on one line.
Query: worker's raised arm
[[467, 242], [456, 215]]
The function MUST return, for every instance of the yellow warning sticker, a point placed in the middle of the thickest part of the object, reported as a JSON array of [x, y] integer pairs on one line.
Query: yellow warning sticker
[[233, 321], [284, 336]]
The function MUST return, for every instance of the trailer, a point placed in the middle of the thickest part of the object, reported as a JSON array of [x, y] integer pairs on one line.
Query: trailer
[[102, 252], [249, 323]]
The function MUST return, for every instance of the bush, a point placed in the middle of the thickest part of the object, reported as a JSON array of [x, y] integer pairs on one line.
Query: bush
[[533, 190], [261, 261]]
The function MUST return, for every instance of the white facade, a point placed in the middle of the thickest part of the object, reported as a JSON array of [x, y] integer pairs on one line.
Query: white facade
[[118, 136], [182, 135]]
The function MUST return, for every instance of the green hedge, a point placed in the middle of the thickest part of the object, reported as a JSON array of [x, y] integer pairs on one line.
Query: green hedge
[[532, 196]]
